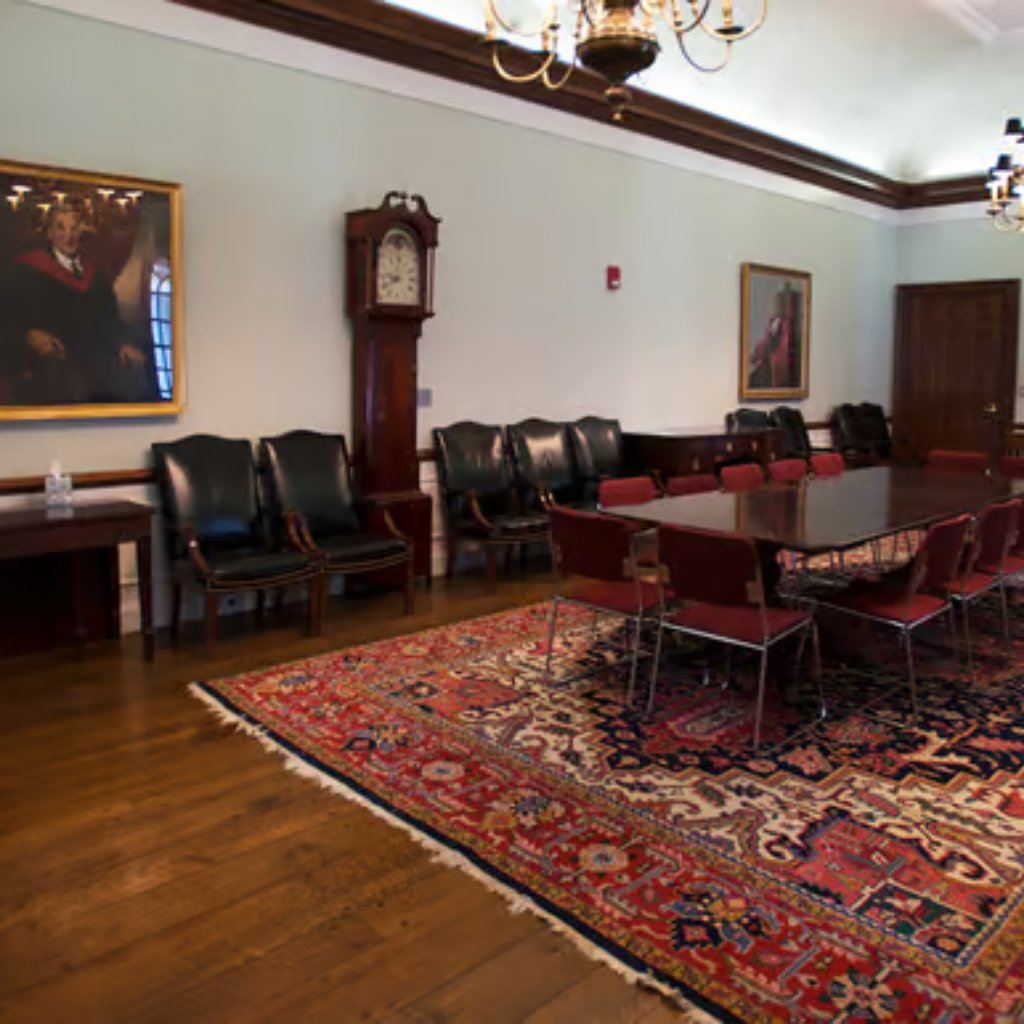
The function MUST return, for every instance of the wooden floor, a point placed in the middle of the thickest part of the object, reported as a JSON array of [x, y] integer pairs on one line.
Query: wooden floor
[[155, 866]]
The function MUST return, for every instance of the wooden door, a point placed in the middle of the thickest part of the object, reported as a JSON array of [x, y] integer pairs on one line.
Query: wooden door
[[956, 364]]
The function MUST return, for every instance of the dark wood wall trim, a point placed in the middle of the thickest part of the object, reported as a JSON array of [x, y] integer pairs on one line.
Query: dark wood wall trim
[[16, 485], [947, 192], [411, 40], [13, 485]]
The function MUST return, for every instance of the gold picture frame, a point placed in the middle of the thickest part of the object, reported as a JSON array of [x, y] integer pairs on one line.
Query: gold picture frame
[[775, 335], [91, 295]]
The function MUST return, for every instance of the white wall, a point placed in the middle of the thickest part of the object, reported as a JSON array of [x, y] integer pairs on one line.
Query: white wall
[[271, 159], [963, 250]]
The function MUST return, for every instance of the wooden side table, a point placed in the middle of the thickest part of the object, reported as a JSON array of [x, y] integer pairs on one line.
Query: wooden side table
[[40, 531]]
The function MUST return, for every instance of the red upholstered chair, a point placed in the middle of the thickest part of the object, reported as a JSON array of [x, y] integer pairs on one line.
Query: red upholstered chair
[[1012, 466], [633, 490], [909, 598], [828, 464], [959, 462], [985, 565], [699, 483], [717, 576], [598, 552], [747, 476], [787, 471]]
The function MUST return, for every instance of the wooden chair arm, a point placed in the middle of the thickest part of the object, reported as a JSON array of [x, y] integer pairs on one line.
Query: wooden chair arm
[[298, 533], [478, 515], [191, 542], [392, 526]]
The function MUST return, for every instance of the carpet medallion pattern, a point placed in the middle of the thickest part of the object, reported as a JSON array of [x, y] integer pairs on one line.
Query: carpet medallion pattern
[[857, 871]]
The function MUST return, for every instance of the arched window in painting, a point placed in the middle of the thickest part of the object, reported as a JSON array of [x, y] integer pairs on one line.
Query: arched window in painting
[[160, 324]]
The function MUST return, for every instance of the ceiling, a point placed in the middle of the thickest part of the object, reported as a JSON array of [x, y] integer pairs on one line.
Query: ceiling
[[913, 89]]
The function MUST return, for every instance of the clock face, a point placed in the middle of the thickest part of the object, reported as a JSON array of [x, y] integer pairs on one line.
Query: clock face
[[398, 270]]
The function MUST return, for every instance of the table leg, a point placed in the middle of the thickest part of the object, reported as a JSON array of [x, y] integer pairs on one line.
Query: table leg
[[144, 570], [81, 597]]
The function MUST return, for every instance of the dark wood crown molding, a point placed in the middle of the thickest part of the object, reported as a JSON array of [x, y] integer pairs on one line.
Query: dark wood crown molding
[[402, 37]]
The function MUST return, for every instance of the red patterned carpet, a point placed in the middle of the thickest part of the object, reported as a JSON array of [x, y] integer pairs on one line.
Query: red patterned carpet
[[856, 872]]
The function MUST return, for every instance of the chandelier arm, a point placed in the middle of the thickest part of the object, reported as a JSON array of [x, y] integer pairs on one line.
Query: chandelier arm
[[531, 76], [585, 10], [553, 85], [708, 69], [700, 11], [737, 36], [493, 13]]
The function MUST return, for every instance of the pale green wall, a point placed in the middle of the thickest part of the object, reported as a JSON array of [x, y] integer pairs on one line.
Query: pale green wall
[[272, 158], [963, 251]]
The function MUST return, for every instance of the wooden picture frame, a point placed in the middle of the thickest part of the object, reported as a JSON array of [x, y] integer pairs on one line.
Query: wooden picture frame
[[91, 303], [775, 333]]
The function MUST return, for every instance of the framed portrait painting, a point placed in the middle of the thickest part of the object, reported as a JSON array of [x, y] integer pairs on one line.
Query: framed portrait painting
[[90, 295], [775, 334]]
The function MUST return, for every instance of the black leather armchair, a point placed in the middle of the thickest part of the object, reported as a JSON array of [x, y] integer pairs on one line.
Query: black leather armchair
[[544, 465], [597, 450], [862, 434], [317, 510], [217, 531], [796, 441], [747, 419], [478, 488]]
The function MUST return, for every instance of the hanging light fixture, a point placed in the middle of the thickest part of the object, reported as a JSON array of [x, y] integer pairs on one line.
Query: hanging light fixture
[[1006, 181], [616, 38]]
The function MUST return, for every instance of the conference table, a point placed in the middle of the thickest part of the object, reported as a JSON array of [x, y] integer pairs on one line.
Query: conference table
[[825, 514]]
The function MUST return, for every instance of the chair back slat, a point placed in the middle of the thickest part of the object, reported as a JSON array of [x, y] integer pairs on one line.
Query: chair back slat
[[698, 483], [473, 457], [592, 545], [744, 477], [597, 447], [788, 471], [937, 564], [209, 484], [543, 457], [634, 490], [709, 567], [309, 473], [994, 534]]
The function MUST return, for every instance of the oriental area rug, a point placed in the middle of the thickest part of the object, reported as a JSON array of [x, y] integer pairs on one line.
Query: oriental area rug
[[852, 869]]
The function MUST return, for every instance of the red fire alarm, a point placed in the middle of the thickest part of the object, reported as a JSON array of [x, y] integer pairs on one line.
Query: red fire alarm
[[614, 279]]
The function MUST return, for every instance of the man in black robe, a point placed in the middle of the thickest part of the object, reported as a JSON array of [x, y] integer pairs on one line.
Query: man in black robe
[[62, 338]]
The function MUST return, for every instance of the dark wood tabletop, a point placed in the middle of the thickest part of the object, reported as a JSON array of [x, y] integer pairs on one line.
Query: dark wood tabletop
[[18, 520], [834, 513]]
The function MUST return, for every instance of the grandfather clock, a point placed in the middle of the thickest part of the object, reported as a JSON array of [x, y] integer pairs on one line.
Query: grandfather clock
[[390, 292]]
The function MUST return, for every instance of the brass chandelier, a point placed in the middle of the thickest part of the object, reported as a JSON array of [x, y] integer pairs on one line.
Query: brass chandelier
[[1006, 181], [615, 38]]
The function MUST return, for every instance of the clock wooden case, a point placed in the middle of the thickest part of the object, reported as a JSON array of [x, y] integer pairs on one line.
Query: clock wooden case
[[389, 294]]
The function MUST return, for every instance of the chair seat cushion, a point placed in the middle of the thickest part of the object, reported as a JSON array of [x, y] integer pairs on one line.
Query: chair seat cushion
[[250, 566], [357, 548], [743, 624], [977, 582], [886, 601], [1011, 566], [614, 596]]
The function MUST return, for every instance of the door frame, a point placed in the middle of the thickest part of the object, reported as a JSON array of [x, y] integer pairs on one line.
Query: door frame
[[1011, 289]]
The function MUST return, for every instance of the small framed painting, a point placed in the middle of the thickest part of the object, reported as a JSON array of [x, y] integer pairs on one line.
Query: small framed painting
[[775, 334], [90, 295]]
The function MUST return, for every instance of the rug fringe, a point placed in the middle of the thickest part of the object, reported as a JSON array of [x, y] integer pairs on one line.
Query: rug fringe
[[441, 854]]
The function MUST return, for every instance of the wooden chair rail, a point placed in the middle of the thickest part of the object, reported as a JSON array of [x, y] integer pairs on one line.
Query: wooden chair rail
[[15, 485]]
